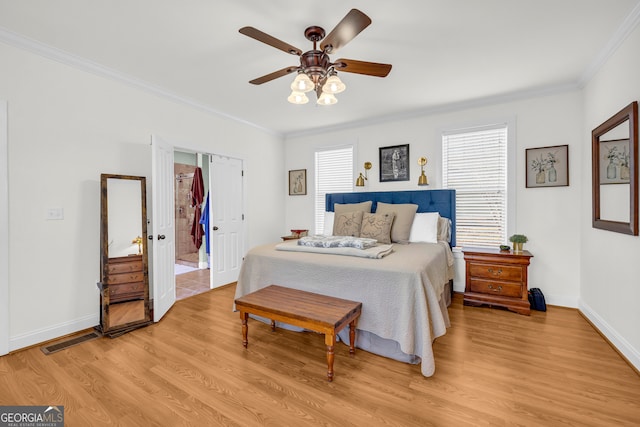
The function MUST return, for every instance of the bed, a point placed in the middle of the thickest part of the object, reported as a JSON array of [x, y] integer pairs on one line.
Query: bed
[[404, 294]]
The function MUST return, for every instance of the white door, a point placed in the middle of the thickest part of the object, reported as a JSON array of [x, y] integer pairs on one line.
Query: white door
[[162, 227], [225, 219]]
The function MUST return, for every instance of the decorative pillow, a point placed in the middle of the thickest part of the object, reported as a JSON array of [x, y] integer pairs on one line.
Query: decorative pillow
[[350, 207], [425, 227], [348, 224], [404, 213], [328, 223], [377, 226], [444, 230]]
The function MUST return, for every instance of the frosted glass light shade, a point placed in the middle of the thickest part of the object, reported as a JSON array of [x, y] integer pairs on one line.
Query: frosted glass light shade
[[302, 83], [298, 98], [334, 85], [327, 99]]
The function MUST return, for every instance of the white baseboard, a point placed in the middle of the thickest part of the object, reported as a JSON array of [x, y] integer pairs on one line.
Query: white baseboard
[[622, 345], [52, 332], [562, 300]]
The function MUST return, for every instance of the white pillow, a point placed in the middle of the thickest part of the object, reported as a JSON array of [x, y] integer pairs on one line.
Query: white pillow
[[328, 223], [425, 227]]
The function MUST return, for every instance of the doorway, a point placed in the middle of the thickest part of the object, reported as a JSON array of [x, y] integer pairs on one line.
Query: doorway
[[191, 258], [223, 225]]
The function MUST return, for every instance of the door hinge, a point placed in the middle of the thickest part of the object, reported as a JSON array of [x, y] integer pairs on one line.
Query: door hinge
[[243, 217], [242, 172]]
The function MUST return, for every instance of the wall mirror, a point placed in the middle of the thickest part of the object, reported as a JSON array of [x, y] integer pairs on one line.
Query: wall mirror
[[124, 283], [614, 149]]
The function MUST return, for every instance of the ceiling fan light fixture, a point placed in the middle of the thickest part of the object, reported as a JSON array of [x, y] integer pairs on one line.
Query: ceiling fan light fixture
[[315, 71], [327, 99], [334, 85], [298, 98], [302, 83]]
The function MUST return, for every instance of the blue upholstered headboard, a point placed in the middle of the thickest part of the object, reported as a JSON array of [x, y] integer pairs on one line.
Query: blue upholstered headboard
[[442, 201]]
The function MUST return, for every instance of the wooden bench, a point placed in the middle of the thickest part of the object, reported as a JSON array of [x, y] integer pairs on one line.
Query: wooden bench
[[307, 310]]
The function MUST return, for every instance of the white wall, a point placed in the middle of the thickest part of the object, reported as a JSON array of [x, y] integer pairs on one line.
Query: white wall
[[610, 267], [548, 216], [66, 126]]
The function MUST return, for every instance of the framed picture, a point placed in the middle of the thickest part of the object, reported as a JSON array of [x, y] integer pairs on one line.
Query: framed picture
[[298, 182], [614, 161], [547, 166], [394, 163]]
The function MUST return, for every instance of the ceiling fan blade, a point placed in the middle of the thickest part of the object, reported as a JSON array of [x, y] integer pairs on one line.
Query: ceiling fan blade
[[270, 40], [362, 67], [273, 76], [350, 26]]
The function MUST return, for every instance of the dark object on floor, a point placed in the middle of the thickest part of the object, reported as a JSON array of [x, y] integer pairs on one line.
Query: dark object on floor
[[69, 342], [536, 300]]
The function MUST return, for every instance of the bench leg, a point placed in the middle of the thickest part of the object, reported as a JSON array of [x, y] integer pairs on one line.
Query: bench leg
[[330, 341], [352, 336], [245, 328]]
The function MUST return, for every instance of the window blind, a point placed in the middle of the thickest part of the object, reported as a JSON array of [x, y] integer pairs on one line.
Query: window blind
[[475, 165], [334, 174]]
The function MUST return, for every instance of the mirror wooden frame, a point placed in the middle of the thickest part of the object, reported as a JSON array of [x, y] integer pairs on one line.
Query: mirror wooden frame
[[630, 114], [124, 280]]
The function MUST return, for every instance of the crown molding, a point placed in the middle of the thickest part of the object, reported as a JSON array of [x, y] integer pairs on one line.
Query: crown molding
[[59, 55], [441, 109], [626, 28]]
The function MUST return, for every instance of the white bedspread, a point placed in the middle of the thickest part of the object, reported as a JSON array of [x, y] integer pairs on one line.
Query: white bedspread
[[400, 293]]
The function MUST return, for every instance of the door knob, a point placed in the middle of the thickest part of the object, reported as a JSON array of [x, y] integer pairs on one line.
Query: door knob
[[161, 237], [215, 228]]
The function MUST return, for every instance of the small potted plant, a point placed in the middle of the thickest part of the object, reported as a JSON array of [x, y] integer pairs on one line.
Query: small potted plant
[[518, 240]]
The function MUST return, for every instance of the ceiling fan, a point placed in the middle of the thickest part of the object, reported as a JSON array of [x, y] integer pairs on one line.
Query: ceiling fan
[[316, 71]]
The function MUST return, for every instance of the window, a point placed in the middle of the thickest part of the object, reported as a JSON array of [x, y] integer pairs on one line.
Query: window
[[475, 165], [334, 174]]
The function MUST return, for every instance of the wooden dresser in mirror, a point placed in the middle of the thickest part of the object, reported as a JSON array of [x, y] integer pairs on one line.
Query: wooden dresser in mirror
[[124, 279]]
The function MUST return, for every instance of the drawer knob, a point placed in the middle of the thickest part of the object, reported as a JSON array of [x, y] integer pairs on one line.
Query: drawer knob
[[498, 289], [494, 272]]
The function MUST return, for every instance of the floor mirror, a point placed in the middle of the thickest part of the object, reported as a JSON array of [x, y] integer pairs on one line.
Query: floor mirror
[[124, 283]]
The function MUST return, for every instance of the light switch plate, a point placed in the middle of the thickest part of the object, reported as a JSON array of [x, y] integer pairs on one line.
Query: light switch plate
[[54, 213]]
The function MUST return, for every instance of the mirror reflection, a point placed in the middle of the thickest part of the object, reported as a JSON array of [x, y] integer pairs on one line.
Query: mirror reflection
[[124, 213], [614, 173]]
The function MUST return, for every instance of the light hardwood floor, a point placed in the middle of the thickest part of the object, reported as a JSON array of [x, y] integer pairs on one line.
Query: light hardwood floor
[[492, 368]]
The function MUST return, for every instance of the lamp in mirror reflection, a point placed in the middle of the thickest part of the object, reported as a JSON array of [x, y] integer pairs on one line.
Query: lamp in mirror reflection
[[360, 180], [138, 241], [422, 179]]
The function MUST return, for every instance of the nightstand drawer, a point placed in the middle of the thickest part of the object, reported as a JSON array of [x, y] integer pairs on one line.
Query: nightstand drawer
[[496, 271], [126, 291], [125, 267], [117, 279], [496, 288]]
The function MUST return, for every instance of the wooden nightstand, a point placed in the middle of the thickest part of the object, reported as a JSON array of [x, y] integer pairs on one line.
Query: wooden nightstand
[[497, 278]]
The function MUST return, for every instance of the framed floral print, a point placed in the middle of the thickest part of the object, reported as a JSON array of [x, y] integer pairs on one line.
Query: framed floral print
[[298, 182], [547, 166]]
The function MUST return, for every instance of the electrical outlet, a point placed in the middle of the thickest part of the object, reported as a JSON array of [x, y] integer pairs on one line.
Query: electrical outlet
[[54, 213]]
